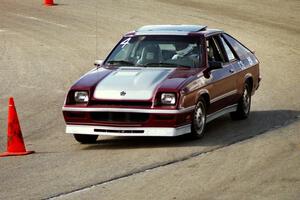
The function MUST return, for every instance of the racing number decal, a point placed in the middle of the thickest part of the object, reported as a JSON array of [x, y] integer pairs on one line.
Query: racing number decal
[[125, 42], [241, 64], [250, 61]]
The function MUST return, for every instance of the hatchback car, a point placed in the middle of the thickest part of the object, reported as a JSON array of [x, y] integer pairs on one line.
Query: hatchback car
[[163, 80]]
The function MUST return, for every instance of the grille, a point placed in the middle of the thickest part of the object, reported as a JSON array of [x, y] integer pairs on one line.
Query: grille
[[74, 114], [119, 117]]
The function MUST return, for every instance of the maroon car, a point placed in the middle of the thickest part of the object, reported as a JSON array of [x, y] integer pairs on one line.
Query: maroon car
[[163, 80]]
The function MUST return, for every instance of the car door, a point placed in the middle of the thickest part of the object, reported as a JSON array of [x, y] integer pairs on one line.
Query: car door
[[223, 87]]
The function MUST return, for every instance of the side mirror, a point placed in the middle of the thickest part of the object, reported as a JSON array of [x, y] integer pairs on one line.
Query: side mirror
[[212, 65], [98, 63], [206, 73], [215, 65]]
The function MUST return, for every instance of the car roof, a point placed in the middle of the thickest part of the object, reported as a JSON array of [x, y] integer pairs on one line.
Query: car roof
[[173, 30]]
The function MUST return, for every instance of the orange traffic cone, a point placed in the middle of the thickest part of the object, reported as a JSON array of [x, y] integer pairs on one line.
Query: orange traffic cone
[[15, 143], [48, 2]]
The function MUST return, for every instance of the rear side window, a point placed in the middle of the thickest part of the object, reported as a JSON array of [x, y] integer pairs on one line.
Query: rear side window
[[240, 49]]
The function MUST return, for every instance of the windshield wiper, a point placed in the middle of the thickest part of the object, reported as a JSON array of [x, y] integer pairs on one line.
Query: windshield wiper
[[161, 64], [166, 64], [121, 62]]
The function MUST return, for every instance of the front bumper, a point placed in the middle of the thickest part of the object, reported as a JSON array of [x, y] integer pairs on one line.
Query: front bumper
[[128, 131], [127, 117]]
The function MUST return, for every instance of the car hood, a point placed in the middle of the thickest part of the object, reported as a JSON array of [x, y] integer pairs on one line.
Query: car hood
[[133, 83]]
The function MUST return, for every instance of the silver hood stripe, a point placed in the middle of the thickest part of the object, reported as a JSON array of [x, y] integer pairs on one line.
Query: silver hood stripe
[[131, 83]]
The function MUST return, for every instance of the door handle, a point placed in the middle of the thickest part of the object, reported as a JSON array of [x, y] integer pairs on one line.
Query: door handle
[[231, 71]]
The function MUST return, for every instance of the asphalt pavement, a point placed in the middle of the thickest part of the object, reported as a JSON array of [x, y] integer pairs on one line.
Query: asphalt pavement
[[43, 50]]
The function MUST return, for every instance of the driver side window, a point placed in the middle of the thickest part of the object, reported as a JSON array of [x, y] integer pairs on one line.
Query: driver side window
[[214, 51]]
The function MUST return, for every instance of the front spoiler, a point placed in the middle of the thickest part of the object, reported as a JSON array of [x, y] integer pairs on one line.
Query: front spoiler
[[128, 131]]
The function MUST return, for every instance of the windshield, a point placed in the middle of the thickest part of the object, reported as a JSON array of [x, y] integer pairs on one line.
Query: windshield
[[156, 51]]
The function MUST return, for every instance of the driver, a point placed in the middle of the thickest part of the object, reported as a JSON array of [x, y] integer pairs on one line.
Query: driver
[[182, 49], [186, 53]]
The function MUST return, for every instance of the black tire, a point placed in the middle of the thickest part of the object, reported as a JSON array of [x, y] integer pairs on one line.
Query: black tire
[[199, 120], [85, 139], [244, 105]]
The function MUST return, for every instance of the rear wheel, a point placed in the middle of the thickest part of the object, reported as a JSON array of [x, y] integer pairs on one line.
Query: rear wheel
[[85, 139], [244, 104], [199, 120]]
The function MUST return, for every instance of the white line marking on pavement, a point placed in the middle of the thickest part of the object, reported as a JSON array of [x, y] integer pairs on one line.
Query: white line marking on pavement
[[1, 30], [41, 20]]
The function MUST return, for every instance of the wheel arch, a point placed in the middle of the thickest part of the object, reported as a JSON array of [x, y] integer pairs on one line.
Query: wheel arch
[[249, 79], [205, 95]]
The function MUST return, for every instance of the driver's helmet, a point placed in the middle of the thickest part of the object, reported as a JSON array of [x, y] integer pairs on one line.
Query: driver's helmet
[[181, 45], [182, 49]]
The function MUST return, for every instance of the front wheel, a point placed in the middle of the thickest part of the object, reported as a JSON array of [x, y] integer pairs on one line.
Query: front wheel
[[199, 120], [85, 139], [244, 104]]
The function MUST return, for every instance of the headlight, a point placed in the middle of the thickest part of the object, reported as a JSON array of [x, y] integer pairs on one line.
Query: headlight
[[168, 98], [81, 97]]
